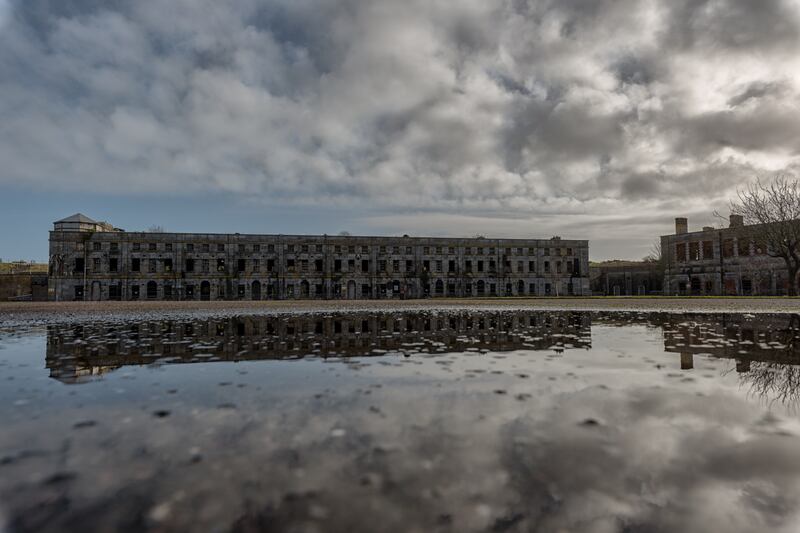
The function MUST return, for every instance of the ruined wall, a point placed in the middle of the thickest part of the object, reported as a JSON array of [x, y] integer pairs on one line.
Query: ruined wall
[[14, 286]]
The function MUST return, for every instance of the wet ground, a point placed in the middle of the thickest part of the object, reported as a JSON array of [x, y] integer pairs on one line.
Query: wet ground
[[432, 419]]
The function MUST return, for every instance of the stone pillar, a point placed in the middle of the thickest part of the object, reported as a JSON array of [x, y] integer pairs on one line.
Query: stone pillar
[[687, 361]]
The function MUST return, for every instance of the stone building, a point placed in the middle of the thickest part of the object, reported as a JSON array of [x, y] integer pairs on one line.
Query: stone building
[[94, 261], [720, 261], [626, 278]]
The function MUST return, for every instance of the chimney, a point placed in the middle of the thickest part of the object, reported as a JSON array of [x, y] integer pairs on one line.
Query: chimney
[[737, 221], [681, 225]]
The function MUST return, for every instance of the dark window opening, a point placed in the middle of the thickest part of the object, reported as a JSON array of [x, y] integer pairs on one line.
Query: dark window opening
[[136, 264]]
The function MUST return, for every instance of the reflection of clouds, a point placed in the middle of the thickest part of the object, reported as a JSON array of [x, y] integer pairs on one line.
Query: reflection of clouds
[[598, 440], [657, 459]]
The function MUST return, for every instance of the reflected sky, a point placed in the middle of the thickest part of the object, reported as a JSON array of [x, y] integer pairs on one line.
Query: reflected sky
[[418, 421]]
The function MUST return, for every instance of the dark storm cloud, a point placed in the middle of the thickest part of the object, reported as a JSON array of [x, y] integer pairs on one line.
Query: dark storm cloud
[[519, 105]]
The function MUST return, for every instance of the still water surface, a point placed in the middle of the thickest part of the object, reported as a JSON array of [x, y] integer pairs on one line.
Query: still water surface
[[416, 421]]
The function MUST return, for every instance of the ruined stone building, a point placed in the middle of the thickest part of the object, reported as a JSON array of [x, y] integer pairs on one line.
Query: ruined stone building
[[720, 261], [92, 260]]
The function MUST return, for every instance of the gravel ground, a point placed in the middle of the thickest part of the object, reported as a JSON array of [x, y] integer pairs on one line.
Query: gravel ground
[[12, 313]]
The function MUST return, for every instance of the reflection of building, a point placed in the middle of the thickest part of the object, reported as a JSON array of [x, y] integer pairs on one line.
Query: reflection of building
[[746, 338], [74, 352], [94, 261], [626, 278], [724, 261]]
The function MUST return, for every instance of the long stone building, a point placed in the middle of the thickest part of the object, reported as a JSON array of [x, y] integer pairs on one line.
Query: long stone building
[[92, 260], [720, 261]]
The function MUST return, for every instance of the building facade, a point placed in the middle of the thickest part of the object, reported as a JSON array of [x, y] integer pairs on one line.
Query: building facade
[[626, 278], [94, 261], [720, 261]]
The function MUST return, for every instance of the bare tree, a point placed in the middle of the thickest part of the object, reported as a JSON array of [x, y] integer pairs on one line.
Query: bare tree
[[344, 233], [771, 213], [654, 255]]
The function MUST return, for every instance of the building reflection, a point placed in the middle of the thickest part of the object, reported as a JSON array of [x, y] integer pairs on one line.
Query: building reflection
[[77, 353], [766, 349]]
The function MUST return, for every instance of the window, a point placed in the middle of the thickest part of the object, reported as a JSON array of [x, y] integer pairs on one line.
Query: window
[[519, 251], [492, 265], [241, 265], [451, 266], [396, 250], [304, 248], [115, 247], [531, 266], [438, 266], [351, 265], [558, 267], [242, 248], [221, 265], [190, 247], [365, 265], [382, 265], [318, 248], [97, 246], [134, 292], [270, 265], [152, 247], [137, 246], [708, 250], [569, 251], [168, 264], [547, 266], [304, 265], [151, 265], [727, 248], [206, 265], [113, 264], [256, 265], [190, 265], [220, 247], [520, 266], [491, 251], [337, 249], [426, 265], [136, 264], [365, 249], [167, 292], [271, 248], [451, 250], [206, 248], [426, 250], [256, 248], [480, 266], [168, 246], [438, 249], [290, 264], [694, 251], [382, 249], [547, 252], [351, 249], [152, 290], [409, 265], [468, 265], [396, 265], [680, 252], [96, 264], [409, 250], [337, 265]]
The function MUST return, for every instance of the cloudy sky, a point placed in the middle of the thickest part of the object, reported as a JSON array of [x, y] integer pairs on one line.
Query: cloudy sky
[[599, 119]]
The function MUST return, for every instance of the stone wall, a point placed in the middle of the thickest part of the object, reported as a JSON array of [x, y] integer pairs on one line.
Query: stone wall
[[22, 286]]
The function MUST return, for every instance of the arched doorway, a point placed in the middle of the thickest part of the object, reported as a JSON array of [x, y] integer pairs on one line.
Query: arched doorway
[[481, 287], [205, 290], [439, 287], [521, 288], [304, 289], [509, 290], [255, 290], [351, 290], [152, 290]]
